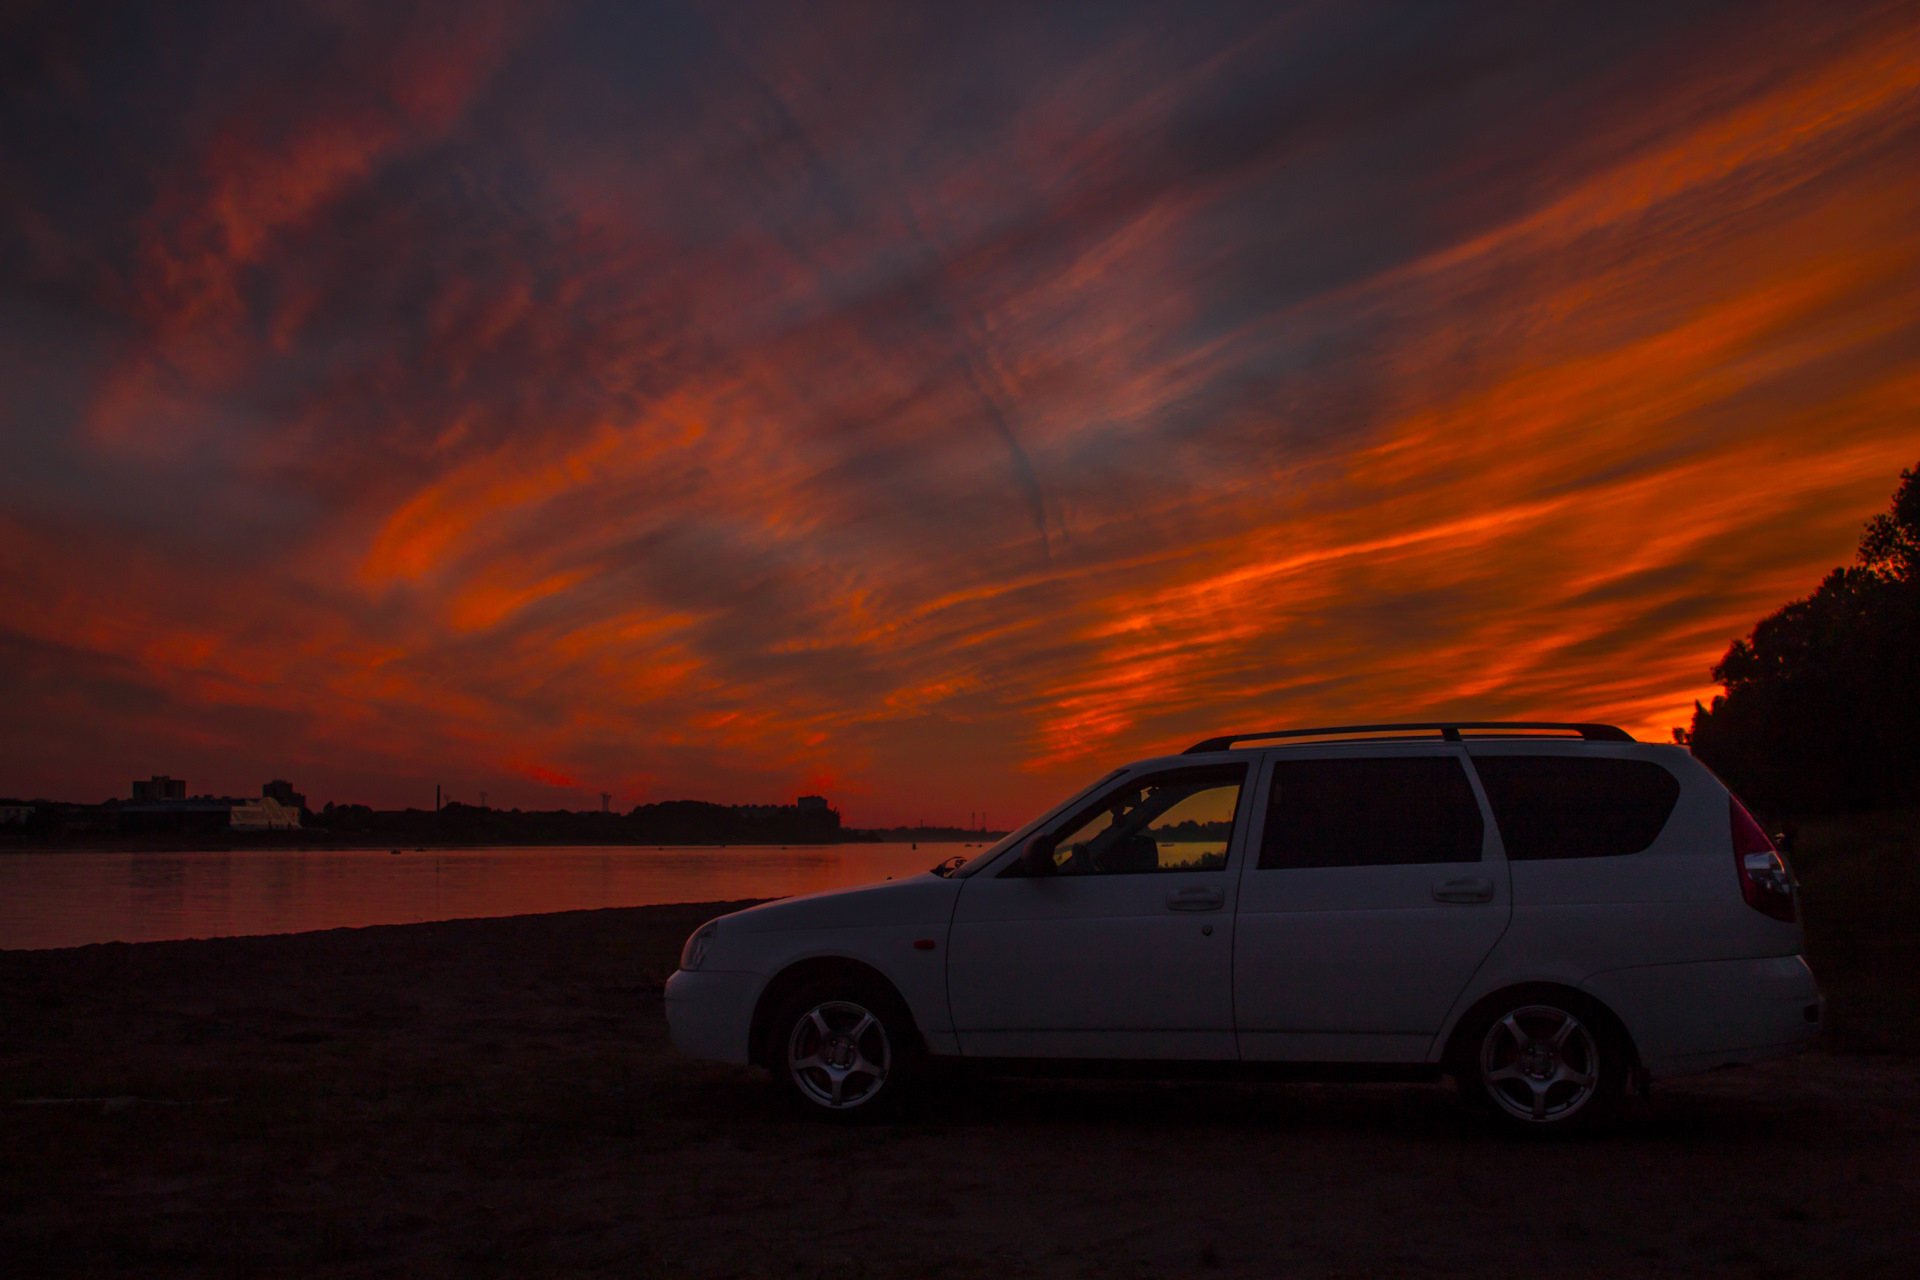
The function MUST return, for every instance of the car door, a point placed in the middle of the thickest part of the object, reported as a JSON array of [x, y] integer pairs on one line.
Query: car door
[[1376, 889], [1124, 948]]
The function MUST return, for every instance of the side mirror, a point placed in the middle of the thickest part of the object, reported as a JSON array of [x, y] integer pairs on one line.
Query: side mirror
[[1037, 858]]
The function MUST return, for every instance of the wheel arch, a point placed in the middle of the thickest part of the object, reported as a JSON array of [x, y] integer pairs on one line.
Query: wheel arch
[[1457, 1049], [800, 973]]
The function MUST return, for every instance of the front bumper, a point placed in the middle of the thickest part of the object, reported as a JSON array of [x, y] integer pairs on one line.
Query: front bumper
[[710, 1014]]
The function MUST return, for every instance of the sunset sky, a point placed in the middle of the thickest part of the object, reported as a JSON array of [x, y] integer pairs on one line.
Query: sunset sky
[[930, 406]]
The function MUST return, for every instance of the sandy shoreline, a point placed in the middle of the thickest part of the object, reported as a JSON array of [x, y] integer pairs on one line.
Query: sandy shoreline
[[497, 1097]]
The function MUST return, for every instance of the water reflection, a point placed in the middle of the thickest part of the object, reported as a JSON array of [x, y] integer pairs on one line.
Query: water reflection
[[70, 899], [156, 886]]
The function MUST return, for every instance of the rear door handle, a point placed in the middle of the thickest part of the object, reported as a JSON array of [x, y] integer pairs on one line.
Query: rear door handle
[[1470, 890], [1197, 898]]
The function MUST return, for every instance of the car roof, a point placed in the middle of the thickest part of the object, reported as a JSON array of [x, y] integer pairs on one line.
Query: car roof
[[1444, 731]]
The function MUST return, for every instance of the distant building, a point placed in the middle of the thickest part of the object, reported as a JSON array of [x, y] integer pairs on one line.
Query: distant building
[[810, 802], [15, 815], [178, 815], [159, 789], [162, 807], [265, 814]]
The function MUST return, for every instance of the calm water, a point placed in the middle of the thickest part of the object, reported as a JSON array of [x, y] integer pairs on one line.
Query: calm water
[[69, 899]]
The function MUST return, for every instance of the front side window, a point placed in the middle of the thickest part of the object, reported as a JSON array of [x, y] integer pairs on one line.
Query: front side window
[[1181, 820], [1373, 812]]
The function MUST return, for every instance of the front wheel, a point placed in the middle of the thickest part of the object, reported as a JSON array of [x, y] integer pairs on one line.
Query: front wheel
[[845, 1053], [1543, 1064]]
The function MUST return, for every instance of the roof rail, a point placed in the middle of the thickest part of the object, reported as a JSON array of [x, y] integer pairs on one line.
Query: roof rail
[[1448, 731]]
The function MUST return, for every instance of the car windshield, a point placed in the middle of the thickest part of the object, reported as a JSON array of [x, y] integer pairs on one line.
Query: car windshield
[[963, 866]]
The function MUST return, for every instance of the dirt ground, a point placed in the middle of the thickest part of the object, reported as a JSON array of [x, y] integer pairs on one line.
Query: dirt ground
[[498, 1097]]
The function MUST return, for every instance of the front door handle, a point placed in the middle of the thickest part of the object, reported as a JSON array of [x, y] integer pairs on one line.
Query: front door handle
[[1197, 898], [1473, 889]]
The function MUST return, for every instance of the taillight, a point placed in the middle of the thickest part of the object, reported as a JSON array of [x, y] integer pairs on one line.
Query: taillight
[[1765, 881]]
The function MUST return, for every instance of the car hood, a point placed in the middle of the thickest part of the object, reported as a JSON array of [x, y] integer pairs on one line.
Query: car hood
[[921, 899]]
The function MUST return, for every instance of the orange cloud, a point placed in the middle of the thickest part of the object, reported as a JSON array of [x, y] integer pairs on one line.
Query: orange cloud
[[435, 402]]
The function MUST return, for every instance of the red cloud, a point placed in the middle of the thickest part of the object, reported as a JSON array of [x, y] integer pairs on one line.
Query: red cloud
[[429, 392]]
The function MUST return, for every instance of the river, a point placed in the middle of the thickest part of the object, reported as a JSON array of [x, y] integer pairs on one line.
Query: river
[[71, 899]]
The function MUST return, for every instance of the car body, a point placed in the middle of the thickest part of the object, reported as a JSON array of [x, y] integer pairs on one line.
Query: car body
[[1360, 900]]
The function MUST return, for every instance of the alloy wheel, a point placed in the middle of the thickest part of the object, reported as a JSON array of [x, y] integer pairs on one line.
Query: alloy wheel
[[839, 1055], [1540, 1064]]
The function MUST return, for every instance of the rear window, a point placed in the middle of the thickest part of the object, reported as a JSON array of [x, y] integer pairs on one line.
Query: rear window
[[1576, 806], [1370, 813]]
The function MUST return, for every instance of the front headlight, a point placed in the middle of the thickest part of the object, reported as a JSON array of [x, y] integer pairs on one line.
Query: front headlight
[[696, 949]]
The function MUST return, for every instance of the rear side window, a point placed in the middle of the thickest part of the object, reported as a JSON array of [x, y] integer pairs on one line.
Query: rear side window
[[1370, 813], [1576, 806]]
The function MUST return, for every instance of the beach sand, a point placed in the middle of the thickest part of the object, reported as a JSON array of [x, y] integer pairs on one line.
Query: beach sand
[[497, 1097]]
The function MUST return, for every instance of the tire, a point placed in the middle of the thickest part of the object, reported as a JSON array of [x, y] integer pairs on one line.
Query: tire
[[1542, 1063], [845, 1051]]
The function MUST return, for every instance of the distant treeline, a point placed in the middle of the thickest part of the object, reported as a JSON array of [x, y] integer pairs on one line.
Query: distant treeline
[[1821, 712], [1191, 832], [936, 835], [55, 824], [668, 822]]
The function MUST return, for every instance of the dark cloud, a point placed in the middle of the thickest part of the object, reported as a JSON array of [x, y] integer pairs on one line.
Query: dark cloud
[[938, 400]]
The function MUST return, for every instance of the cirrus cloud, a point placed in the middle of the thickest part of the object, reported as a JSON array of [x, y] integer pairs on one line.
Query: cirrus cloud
[[928, 405]]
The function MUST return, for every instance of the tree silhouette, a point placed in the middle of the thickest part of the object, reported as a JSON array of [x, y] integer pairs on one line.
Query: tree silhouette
[[1822, 704], [1891, 546]]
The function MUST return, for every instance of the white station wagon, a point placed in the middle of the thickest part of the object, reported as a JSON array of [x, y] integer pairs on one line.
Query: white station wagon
[[1542, 911]]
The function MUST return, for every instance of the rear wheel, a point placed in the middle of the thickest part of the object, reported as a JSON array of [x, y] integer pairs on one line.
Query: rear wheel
[[1542, 1063], [844, 1051]]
